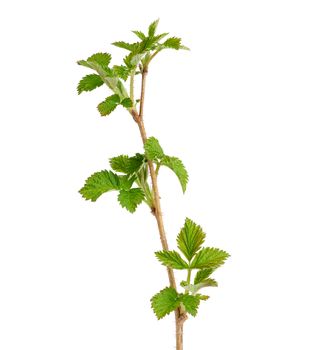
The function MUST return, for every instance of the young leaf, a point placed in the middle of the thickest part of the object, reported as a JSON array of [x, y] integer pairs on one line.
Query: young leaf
[[124, 45], [121, 71], [99, 183], [165, 302], [131, 199], [171, 259], [202, 275], [177, 166], [172, 43], [127, 165], [152, 28], [139, 34], [209, 258], [190, 239], [97, 60], [209, 282], [103, 59], [126, 181], [89, 82], [190, 302], [153, 150], [127, 102], [108, 105]]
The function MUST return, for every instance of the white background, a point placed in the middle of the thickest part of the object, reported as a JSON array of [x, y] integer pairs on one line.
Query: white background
[[237, 109]]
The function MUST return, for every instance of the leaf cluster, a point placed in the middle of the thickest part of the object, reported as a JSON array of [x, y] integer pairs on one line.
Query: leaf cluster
[[131, 184], [155, 153], [192, 256], [139, 55]]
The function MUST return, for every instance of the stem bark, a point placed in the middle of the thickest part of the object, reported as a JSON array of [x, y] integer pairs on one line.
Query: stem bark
[[180, 315]]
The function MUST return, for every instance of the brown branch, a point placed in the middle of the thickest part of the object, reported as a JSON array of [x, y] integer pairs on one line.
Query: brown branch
[[180, 315]]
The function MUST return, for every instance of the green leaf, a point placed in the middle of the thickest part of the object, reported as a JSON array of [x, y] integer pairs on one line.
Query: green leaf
[[165, 302], [172, 43], [126, 181], [124, 45], [190, 239], [99, 183], [121, 71], [152, 28], [120, 163], [109, 104], [139, 34], [98, 59], [131, 199], [209, 282], [153, 150], [202, 275], [103, 59], [160, 36], [190, 302], [177, 166], [171, 259], [127, 102], [127, 165], [209, 258], [89, 82]]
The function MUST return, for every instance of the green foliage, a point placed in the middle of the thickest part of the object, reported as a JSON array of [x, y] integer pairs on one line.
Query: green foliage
[[140, 34], [152, 28], [124, 45], [191, 303], [131, 199], [172, 43], [153, 150], [166, 301], [177, 166], [209, 258], [202, 275], [171, 259], [97, 60], [121, 71], [89, 82], [127, 165], [127, 102], [190, 239], [108, 105], [99, 183]]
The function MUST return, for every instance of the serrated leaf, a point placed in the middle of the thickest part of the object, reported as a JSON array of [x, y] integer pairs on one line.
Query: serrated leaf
[[190, 302], [202, 275], [165, 302], [190, 239], [172, 43], [177, 166], [153, 150], [209, 258], [139, 34], [89, 83], [160, 36], [121, 71], [108, 105], [127, 102], [209, 282], [99, 183], [127, 46], [126, 181], [152, 28], [171, 259], [131, 199], [127, 165], [103, 59]]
